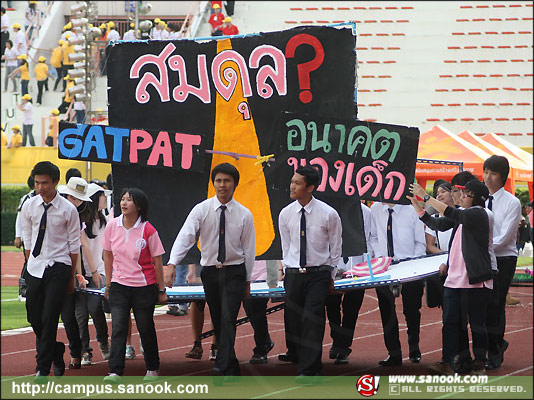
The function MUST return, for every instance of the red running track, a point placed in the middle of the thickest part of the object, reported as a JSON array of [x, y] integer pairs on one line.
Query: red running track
[[174, 337]]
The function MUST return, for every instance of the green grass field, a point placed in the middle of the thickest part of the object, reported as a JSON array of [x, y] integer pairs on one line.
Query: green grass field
[[13, 311], [11, 248]]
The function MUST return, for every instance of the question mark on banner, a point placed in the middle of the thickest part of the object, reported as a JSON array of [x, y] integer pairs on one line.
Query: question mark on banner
[[306, 68], [243, 109]]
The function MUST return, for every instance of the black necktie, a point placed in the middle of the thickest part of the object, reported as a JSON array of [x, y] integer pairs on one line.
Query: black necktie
[[221, 257], [490, 202], [40, 236], [303, 238], [390, 233]]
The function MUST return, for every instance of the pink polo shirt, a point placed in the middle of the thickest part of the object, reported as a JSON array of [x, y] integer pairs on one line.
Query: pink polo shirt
[[457, 277], [132, 250]]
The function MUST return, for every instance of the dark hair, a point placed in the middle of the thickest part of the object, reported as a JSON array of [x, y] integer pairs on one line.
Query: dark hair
[[479, 190], [447, 186], [498, 164], [310, 174], [437, 184], [94, 215], [3, 9], [10, 42], [22, 62], [461, 178], [46, 168], [72, 172], [31, 182], [226, 168], [109, 181], [99, 182], [140, 199]]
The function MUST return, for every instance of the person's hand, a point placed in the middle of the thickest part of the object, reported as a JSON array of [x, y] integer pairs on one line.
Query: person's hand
[[417, 190], [443, 269], [106, 293], [162, 298], [97, 280], [169, 275], [418, 205], [82, 282], [17, 242], [246, 293]]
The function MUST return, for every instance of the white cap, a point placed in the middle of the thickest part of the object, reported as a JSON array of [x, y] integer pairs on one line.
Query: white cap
[[93, 188], [76, 187]]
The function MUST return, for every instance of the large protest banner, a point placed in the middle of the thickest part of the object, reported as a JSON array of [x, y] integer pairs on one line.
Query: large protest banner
[[178, 108]]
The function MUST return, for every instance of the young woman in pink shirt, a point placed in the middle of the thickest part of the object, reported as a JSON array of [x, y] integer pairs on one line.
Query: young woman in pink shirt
[[134, 280]]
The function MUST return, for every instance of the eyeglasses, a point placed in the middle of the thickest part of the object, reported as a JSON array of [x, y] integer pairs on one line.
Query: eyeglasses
[[464, 194]]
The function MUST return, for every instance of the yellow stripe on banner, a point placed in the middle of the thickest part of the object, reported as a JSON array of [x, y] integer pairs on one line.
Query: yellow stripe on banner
[[236, 134], [17, 164]]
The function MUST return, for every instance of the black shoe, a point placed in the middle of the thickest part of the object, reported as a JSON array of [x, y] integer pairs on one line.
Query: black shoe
[[341, 359], [391, 361], [492, 364], [288, 357], [333, 353], [415, 356], [59, 362], [269, 346], [259, 359]]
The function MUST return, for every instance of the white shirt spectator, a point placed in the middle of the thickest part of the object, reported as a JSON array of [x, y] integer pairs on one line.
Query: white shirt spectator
[[27, 117], [11, 57], [30, 17], [5, 23], [323, 234], [19, 42], [174, 35], [240, 238], [62, 235], [156, 34], [442, 238], [113, 35], [408, 231], [78, 105], [506, 210], [64, 35], [164, 34], [129, 35]]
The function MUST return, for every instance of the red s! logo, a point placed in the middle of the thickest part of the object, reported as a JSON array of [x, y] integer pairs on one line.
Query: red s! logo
[[367, 385]]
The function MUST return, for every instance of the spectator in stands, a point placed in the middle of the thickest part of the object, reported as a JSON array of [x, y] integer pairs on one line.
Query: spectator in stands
[[215, 3], [24, 73], [41, 74], [342, 324], [53, 128], [68, 48], [56, 62], [397, 232], [216, 20], [154, 27], [174, 31], [507, 214], [228, 29], [79, 110], [130, 33], [67, 31], [128, 286], [10, 57], [19, 40], [4, 137], [30, 18], [112, 33], [4, 29], [469, 273], [16, 139], [67, 99], [164, 32], [27, 120], [230, 4]]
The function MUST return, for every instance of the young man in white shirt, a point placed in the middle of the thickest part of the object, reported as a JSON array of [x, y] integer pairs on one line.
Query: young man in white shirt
[[228, 244], [407, 240], [51, 234], [506, 210], [310, 232]]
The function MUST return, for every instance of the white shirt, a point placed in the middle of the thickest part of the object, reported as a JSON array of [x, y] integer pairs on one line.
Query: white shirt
[[506, 210], [164, 34], [79, 106], [491, 248], [113, 35], [323, 234], [156, 34], [30, 17], [19, 42], [240, 238], [64, 35], [443, 238], [62, 235], [95, 247], [408, 231], [11, 57], [27, 117], [18, 222], [129, 35], [174, 35], [5, 23]]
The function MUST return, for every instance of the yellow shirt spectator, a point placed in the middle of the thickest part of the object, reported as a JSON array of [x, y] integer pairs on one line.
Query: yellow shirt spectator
[[67, 49], [4, 139], [41, 71], [57, 55], [53, 127], [24, 73], [16, 140], [70, 84]]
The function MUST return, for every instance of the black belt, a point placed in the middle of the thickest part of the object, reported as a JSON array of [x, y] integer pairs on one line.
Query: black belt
[[306, 270], [224, 265]]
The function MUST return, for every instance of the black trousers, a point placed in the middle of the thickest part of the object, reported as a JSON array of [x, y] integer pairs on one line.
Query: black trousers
[[68, 317], [255, 309], [305, 318], [142, 300], [59, 78], [224, 288], [44, 300], [496, 316], [4, 37], [342, 327], [412, 295], [40, 86], [390, 323]]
